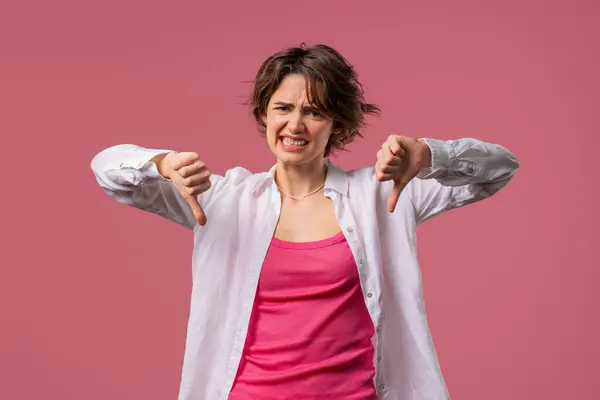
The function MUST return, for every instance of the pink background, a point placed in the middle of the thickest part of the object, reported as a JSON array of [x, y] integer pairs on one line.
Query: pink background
[[94, 295]]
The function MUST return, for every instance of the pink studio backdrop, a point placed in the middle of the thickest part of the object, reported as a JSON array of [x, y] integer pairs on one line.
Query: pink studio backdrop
[[94, 295]]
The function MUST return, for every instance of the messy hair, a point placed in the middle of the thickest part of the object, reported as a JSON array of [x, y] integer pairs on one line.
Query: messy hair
[[332, 88]]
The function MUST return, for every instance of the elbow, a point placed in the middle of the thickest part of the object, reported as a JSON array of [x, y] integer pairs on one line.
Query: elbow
[[100, 160], [514, 163], [511, 162], [95, 163], [104, 158]]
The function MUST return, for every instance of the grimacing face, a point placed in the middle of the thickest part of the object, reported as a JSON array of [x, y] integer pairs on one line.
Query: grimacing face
[[296, 132]]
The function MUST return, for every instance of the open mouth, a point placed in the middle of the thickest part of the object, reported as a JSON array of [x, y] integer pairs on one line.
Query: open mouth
[[293, 142]]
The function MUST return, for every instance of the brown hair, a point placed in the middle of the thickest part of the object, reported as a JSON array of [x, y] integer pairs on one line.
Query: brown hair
[[333, 88]]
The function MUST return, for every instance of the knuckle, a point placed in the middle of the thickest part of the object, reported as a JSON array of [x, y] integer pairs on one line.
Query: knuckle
[[179, 175], [204, 185], [179, 160]]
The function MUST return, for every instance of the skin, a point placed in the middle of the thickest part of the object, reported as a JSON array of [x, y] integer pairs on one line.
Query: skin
[[289, 114], [400, 160], [300, 169]]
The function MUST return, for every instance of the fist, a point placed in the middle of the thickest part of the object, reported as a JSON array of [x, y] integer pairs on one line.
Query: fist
[[189, 175], [400, 159]]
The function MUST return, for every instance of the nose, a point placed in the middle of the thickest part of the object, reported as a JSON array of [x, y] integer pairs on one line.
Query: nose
[[295, 122]]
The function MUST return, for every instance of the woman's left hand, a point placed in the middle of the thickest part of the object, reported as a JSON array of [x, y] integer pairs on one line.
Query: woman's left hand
[[400, 160]]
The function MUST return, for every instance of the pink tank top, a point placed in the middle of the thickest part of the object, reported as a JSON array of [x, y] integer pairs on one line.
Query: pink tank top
[[310, 332]]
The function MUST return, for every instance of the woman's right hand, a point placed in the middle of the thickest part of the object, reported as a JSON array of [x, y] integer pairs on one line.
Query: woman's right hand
[[189, 175]]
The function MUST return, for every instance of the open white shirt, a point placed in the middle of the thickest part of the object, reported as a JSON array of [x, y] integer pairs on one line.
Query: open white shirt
[[243, 210]]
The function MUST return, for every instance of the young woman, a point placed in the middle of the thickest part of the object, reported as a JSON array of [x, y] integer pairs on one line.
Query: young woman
[[306, 283]]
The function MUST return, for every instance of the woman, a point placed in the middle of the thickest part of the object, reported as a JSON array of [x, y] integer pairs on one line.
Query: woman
[[306, 283]]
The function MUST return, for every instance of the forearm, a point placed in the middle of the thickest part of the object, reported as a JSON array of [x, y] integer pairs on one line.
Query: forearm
[[469, 162], [122, 168], [461, 172]]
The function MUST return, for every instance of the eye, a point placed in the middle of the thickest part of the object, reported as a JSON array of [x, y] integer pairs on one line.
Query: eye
[[315, 114], [282, 108]]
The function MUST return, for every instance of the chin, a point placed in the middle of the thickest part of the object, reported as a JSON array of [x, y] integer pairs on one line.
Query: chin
[[291, 159]]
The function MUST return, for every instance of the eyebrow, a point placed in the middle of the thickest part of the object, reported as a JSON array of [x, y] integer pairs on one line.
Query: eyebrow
[[283, 103]]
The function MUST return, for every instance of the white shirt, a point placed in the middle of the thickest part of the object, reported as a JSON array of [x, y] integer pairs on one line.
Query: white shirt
[[243, 210]]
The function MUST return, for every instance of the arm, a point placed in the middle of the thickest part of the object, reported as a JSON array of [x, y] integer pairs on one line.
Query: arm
[[129, 174], [461, 172]]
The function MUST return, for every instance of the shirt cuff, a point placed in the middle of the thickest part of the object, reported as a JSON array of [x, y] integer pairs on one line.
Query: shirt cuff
[[441, 153], [141, 162], [441, 156]]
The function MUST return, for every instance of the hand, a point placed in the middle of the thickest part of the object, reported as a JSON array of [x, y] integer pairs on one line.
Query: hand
[[400, 159], [189, 175]]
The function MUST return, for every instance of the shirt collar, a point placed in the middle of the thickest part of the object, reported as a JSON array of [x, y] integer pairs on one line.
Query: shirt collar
[[336, 179]]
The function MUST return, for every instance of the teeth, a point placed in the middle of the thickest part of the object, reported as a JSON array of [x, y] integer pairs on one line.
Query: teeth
[[291, 142]]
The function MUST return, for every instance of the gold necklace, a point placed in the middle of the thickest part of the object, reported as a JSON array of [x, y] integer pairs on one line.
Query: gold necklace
[[300, 197]]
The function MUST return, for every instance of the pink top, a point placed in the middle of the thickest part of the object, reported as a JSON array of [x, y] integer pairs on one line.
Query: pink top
[[310, 331]]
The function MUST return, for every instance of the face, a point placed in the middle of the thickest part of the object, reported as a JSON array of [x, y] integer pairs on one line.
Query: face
[[296, 132]]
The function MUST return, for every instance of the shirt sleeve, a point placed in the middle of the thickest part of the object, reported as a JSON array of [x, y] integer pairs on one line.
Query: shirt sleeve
[[462, 172], [127, 173]]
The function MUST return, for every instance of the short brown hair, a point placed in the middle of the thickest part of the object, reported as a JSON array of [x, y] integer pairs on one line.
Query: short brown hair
[[333, 88]]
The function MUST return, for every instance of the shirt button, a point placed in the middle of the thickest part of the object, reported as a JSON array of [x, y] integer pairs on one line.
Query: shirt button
[[121, 164], [381, 387], [350, 230], [470, 170], [369, 295], [361, 261]]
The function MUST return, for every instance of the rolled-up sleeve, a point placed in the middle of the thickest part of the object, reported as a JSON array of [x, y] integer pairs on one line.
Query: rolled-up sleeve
[[127, 173], [462, 172]]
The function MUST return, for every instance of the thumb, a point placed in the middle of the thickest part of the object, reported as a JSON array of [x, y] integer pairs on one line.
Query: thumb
[[199, 214], [399, 185]]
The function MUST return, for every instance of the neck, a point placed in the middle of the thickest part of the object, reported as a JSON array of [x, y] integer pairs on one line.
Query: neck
[[298, 180]]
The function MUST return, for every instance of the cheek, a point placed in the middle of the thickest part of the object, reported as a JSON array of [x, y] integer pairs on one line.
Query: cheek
[[322, 132], [274, 125]]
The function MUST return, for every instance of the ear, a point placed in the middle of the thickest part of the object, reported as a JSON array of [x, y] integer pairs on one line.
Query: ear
[[336, 129], [263, 119]]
